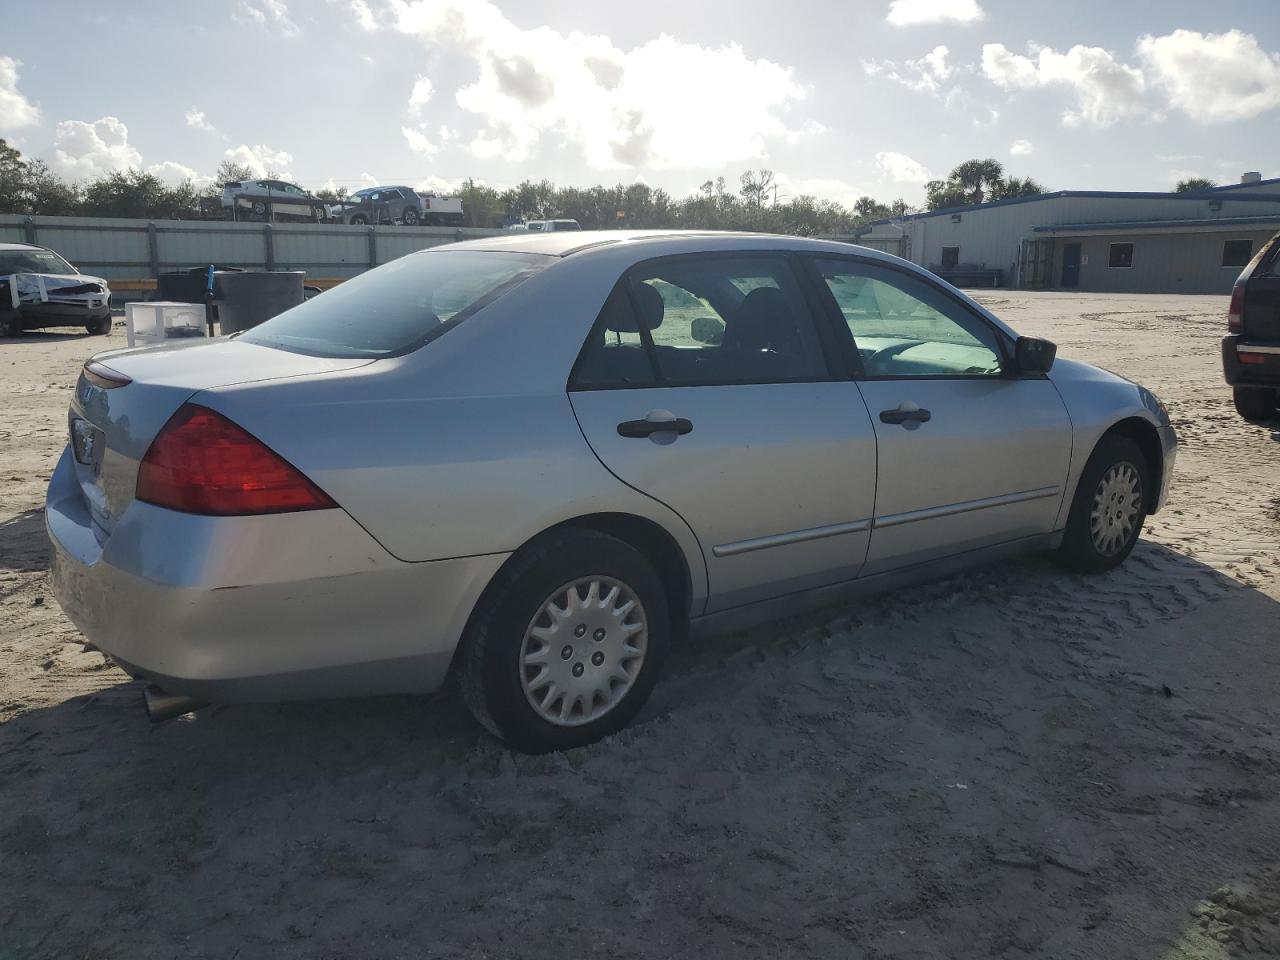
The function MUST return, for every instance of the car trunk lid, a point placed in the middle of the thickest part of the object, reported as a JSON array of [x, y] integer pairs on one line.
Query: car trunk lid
[[124, 397]]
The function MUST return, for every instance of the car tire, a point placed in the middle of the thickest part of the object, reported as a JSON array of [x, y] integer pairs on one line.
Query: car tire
[[1108, 509], [1253, 403], [504, 679], [359, 220], [410, 217], [99, 327], [259, 208], [9, 326]]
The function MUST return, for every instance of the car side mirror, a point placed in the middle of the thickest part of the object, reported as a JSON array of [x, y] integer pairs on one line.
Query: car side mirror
[[708, 330], [1034, 355]]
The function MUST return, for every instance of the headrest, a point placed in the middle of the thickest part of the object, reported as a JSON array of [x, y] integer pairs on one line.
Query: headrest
[[620, 318], [765, 303]]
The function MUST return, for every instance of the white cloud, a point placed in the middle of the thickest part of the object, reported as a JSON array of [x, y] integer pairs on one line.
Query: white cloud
[[364, 15], [174, 173], [420, 95], [1213, 78], [823, 188], [663, 104], [419, 142], [909, 13], [1022, 148], [262, 160], [926, 75], [16, 111], [196, 120], [444, 187], [368, 180], [272, 15], [90, 150], [1105, 90], [900, 168]]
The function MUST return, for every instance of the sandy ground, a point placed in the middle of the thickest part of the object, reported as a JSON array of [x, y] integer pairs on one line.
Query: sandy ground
[[1018, 762]]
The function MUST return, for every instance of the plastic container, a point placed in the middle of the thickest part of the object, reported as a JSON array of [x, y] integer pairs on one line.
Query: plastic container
[[159, 321]]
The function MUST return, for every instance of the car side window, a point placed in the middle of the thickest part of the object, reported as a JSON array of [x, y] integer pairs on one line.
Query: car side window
[[615, 354], [903, 326], [701, 321], [728, 319]]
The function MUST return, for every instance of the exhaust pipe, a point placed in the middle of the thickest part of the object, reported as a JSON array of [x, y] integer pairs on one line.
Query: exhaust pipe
[[163, 706]]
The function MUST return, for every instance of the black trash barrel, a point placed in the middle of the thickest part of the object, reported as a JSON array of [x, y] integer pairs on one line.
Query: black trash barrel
[[246, 299], [188, 286]]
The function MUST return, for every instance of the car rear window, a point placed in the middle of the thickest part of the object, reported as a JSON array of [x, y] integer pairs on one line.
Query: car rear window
[[398, 307]]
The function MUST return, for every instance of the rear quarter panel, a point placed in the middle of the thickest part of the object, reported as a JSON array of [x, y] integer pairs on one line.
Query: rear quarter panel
[[440, 477]]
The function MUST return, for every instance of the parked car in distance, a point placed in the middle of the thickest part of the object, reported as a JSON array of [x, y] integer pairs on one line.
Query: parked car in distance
[[256, 199], [38, 288], [1251, 348], [541, 460], [397, 205], [551, 226]]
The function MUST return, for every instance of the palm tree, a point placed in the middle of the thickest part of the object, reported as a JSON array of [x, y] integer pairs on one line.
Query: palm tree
[[975, 175]]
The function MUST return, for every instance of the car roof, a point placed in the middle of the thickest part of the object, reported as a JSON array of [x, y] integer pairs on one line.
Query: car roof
[[656, 242]]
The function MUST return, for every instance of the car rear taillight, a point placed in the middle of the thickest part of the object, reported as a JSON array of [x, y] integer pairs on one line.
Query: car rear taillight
[[201, 462], [1235, 312]]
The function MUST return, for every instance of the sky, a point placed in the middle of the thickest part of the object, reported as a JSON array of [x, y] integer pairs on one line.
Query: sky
[[839, 98]]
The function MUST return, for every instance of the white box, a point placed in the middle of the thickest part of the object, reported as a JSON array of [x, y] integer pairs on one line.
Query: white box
[[159, 321]]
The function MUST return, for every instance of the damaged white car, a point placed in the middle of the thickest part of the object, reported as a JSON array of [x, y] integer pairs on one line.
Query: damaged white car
[[40, 289]]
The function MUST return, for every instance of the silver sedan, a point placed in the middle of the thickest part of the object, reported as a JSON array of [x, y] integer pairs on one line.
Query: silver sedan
[[534, 463]]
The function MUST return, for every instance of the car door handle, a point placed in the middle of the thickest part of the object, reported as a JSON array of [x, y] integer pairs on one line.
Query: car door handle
[[655, 423], [906, 413]]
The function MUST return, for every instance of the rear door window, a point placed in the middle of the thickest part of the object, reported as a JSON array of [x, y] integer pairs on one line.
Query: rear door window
[[704, 320], [397, 307]]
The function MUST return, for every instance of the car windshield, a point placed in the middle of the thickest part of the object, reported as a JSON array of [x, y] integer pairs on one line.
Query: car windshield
[[399, 306], [32, 261]]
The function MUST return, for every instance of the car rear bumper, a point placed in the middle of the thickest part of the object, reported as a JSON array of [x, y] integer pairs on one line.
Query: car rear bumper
[[1265, 373], [280, 607]]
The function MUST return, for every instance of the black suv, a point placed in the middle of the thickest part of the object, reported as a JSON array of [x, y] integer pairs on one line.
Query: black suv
[[1251, 351]]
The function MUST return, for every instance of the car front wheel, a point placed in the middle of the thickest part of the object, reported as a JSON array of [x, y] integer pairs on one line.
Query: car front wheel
[[1253, 403], [567, 642], [1109, 507], [99, 327], [410, 217]]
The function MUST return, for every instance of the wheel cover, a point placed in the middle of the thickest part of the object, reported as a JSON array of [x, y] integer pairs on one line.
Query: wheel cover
[[583, 650], [1117, 504]]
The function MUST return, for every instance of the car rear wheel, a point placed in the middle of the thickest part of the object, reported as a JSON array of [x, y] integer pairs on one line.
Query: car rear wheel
[[1253, 403], [567, 643], [1109, 507], [99, 327], [259, 208], [9, 326], [359, 220]]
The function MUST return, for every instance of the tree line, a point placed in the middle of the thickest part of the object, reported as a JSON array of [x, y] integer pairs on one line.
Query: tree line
[[756, 202]]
